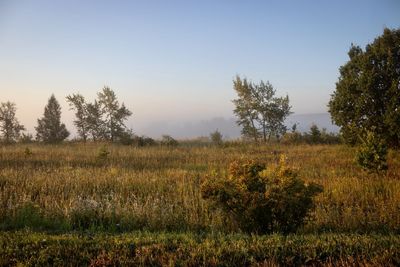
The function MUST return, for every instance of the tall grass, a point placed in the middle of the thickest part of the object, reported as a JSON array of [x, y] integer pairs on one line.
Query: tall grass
[[68, 187]]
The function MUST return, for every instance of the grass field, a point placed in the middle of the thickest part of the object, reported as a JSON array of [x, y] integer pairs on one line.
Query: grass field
[[143, 206]]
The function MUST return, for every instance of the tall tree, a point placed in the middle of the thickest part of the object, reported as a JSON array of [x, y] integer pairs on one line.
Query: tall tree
[[244, 108], [50, 129], [259, 112], [9, 124], [367, 95], [77, 103], [95, 123], [115, 115]]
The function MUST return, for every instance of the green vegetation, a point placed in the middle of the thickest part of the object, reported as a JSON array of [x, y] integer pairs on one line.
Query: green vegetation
[[85, 208], [168, 140], [135, 201], [50, 129], [367, 95], [372, 155], [259, 112], [101, 120], [262, 199], [216, 138], [189, 249], [10, 128], [314, 136]]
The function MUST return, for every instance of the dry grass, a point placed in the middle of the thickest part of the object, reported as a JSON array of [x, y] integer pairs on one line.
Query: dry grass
[[158, 188]]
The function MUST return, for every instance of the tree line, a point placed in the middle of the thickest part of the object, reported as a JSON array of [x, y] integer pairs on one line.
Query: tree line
[[104, 119], [365, 104]]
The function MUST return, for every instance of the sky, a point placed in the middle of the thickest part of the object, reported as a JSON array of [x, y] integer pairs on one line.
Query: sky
[[174, 61]]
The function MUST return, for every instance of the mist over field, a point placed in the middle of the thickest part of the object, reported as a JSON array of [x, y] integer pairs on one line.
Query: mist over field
[[227, 126]]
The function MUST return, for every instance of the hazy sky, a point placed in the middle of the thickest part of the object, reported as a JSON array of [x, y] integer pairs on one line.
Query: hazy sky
[[172, 61]]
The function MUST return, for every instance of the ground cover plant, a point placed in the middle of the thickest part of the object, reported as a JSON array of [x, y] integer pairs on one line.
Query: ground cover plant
[[68, 192]]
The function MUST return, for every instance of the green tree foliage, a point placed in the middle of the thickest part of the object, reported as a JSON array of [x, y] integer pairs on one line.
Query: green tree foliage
[[368, 91], [141, 141], [372, 154], [114, 113], [95, 123], [88, 118], [10, 127], [315, 134], [261, 199], [102, 119], [259, 112], [77, 103], [216, 138], [50, 129]]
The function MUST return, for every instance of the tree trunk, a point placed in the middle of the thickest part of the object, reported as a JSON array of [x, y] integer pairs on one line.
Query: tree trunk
[[254, 131], [264, 132]]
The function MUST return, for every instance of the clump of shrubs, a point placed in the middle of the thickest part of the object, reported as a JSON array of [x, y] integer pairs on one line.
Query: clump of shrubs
[[261, 199], [216, 138], [141, 141], [128, 138], [372, 153], [313, 136], [169, 141]]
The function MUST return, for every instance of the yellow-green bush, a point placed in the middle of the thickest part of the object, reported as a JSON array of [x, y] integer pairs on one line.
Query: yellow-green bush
[[372, 155], [262, 199]]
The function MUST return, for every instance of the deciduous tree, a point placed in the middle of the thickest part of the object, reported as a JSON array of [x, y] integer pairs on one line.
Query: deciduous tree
[[10, 127], [259, 112], [115, 114], [77, 103], [367, 95]]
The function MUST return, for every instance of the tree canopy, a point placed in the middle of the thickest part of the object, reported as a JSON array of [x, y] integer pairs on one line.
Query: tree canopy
[[50, 129], [367, 95], [10, 127], [114, 113], [259, 112], [102, 119]]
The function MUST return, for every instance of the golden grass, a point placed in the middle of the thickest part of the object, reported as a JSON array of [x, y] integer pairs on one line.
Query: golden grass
[[158, 188]]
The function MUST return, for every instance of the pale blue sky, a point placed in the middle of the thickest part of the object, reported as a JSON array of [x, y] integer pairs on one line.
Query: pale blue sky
[[174, 61]]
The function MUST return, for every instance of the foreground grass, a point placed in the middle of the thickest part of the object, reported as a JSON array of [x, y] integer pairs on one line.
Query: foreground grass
[[69, 187], [143, 206], [188, 249]]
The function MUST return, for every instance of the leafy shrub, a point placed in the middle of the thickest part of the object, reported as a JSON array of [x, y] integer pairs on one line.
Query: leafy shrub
[[313, 136], [372, 154], [216, 138], [261, 199], [141, 141], [167, 140], [28, 152], [292, 138], [103, 153], [126, 138]]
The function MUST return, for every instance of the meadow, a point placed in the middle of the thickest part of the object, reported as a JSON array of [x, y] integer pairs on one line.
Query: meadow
[[108, 204]]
